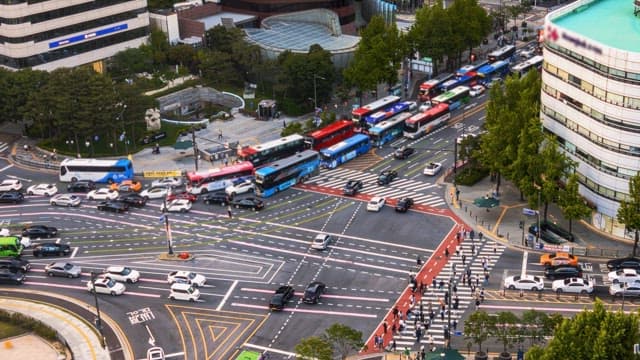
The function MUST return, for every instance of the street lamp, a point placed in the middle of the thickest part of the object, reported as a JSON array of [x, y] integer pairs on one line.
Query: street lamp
[[98, 322], [315, 95], [123, 137]]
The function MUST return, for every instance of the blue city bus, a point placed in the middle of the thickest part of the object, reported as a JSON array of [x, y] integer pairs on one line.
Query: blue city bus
[[388, 129], [386, 113], [499, 69], [96, 170], [285, 173], [344, 151], [468, 79], [471, 67]]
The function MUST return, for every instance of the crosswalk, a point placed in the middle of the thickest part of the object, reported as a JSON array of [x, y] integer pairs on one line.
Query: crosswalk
[[422, 193], [3, 147], [486, 250]]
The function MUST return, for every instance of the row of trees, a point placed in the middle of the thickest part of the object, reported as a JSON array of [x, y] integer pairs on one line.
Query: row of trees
[[337, 340]]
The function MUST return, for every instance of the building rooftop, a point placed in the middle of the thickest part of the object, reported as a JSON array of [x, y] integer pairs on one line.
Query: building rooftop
[[215, 20], [609, 22]]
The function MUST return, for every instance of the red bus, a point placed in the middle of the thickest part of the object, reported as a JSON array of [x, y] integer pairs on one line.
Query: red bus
[[271, 151], [423, 123], [330, 134], [359, 114], [431, 88], [244, 168]]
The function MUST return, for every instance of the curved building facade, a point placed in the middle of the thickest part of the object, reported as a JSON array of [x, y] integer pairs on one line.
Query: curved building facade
[[590, 98]]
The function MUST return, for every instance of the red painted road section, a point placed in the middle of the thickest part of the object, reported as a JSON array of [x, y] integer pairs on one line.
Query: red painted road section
[[429, 270]]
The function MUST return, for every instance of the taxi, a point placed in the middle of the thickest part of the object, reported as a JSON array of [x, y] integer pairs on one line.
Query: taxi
[[127, 186], [559, 258]]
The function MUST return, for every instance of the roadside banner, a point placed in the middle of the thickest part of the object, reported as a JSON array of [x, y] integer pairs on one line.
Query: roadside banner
[[162, 173]]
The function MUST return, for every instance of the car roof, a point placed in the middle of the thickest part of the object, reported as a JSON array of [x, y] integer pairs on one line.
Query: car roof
[[180, 286], [115, 268]]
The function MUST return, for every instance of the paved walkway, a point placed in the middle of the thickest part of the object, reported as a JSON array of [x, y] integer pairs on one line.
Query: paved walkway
[[29, 347]]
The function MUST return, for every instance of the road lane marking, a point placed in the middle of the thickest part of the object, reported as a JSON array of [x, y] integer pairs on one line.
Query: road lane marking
[[85, 288], [337, 313], [226, 296], [270, 349], [323, 295], [6, 167]]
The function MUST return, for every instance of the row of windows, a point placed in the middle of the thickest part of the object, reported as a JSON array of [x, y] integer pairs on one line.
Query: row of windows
[[62, 12], [606, 71], [74, 50], [75, 28], [593, 90]]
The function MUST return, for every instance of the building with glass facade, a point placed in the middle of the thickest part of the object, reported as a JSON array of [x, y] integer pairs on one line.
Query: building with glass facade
[[50, 34], [590, 98]]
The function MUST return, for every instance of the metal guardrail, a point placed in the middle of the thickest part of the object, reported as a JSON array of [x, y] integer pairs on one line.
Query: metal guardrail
[[29, 161]]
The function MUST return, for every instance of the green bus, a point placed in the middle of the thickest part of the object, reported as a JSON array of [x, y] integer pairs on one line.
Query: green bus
[[454, 97], [10, 246]]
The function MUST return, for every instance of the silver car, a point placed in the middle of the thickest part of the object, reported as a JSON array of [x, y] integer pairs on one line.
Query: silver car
[[64, 269], [65, 200]]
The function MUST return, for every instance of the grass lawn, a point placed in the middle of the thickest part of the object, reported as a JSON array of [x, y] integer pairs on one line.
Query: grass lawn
[[8, 330]]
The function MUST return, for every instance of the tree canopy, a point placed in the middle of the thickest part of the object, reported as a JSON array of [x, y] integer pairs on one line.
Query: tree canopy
[[629, 211]]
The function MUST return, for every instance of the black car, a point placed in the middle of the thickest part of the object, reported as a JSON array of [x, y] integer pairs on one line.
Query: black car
[[46, 249], [403, 152], [248, 203], [14, 264], [281, 297], [387, 176], [40, 231], [562, 272], [81, 186], [113, 206], [11, 197], [10, 277], [132, 199], [216, 198], [404, 204], [624, 263], [313, 292], [352, 187]]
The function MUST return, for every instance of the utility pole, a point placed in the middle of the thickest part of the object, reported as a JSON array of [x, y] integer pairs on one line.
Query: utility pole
[[315, 94], [167, 228], [98, 321], [195, 147]]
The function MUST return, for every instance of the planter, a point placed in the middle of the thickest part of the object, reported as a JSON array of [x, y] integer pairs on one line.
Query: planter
[[504, 356], [481, 355]]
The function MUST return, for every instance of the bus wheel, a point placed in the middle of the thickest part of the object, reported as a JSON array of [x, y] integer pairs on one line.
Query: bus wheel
[[110, 181], [74, 179], [204, 191]]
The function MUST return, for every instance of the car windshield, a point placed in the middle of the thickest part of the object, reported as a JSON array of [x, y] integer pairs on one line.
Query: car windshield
[[68, 266], [191, 275], [125, 271], [110, 283]]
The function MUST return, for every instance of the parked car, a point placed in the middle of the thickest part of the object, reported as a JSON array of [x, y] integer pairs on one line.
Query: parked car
[[559, 258], [182, 195], [313, 292], [527, 282], [155, 193], [113, 206], [106, 286], [432, 168], [11, 197], [10, 184], [132, 199], [624, 275], [183, 291], [65, 200], [102, 194], [15, 264], [215, 198], [241, 188], [187, 277], [248, 203], [573, 286], [177, 205], [403, 152], [352, 187], [81, 186], [476, 90], [321, 241], [404, 204], [624, 263], [42, 189], [624, 289], [12, 277], [387, 177], [39, 231], [48, 249], [376, 203], [281, 297], [63, 269], [121, 274], [167, 182], [127, 186], [562, 272]]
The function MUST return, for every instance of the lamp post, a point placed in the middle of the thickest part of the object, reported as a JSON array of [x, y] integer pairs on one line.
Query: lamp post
[[98, 322], [195, 147], [123, 137], [315, 94]]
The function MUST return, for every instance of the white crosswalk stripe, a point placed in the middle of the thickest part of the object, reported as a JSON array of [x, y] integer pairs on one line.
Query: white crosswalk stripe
[[3, 147], [421, 192], [433, 297]]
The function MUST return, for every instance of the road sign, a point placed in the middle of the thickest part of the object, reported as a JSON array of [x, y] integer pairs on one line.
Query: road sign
[[529, 212], [141, 315], [162, 173]]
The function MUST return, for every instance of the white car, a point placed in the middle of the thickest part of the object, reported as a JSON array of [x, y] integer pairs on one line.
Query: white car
[[155, 193], [527, 282], [424, 106], [42, 189], [177, 205], [412, 105], [106, 286], [65, 200], [376, 203], [321, 241], [463, 137], [241, 188], [186, 277], [573, 285], [102, 194], [624, 275], [5, 232], [122, 274], [476, 90], [623, 289], [183, 291], [432, 168], [10, 184], [167, 182]]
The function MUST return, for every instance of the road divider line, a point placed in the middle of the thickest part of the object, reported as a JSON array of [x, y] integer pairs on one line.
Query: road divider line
[[6, 167], [265, 291], [269, 349], [308, 311], [226, 296]]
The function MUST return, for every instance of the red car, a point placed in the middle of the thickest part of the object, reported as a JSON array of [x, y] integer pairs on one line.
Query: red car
[[182, 195]]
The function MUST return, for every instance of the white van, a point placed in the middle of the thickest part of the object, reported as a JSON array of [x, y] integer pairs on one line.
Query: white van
[[184, 291], [213, 186]]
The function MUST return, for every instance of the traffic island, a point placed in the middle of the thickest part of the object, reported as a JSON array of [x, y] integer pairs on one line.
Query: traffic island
[[181, 256]]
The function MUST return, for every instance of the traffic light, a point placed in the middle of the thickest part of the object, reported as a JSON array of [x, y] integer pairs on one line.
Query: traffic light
[[521, 224]]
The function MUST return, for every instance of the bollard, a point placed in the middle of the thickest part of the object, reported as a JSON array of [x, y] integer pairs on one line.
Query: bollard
[[465, 208], [476, 219], [489, 227], [482, 222], [540, 295], [521, 293], [507, 236]]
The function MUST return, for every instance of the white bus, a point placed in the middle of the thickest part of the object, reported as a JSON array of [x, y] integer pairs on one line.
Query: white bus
[[96, 170]]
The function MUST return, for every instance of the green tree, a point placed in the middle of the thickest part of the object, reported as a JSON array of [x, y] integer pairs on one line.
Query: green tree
[[629, 211], [478, 327], [16, 88], [477, 24], [183, 55], [292, 128], [221, 39], [314, 347], [505, 329], [539, 325], [571, 203], [218, 68], [343, 339]]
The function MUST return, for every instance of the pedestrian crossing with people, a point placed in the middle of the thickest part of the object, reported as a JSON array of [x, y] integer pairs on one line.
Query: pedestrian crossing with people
[[474, 257], [423, 193]]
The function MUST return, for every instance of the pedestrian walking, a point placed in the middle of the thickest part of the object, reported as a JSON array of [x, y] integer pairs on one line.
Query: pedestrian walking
[[393, 345], [395, 312], [442, 315], [480, 235], [494, 246], [434, 283], [477, 303], [441, 285], [412, 300], [385, 325], [457, 251], [419, 261], [471, 234], [464, 258], [458, 237], [394, 328], [219, 134], [477, 280], [454, 324], [446, 252], [229, 212]]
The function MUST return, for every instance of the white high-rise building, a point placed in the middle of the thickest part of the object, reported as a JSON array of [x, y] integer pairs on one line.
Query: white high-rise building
[[51, 34], [591, 97]]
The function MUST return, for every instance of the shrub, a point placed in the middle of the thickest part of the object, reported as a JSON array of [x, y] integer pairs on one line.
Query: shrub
[[471, 175], [29, 324]]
